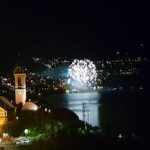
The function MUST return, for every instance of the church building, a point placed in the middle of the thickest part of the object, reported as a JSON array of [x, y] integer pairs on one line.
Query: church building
[[20, 90], [7, 110]]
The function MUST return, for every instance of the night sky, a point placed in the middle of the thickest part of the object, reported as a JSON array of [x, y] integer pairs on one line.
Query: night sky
[[74, 29]]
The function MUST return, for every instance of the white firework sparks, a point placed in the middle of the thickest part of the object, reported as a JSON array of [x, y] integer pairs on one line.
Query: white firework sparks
[[82, 73]]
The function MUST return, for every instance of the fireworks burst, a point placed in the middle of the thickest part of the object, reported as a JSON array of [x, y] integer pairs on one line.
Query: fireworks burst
[[82, 73]]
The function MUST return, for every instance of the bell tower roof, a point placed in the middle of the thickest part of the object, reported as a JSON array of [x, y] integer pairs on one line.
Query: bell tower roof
[[19, 69]]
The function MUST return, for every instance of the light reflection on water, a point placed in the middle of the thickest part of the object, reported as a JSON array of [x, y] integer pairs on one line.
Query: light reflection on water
[[85, 105]]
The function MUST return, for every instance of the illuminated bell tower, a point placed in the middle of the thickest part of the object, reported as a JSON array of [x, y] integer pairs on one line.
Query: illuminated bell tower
[[20, 85]]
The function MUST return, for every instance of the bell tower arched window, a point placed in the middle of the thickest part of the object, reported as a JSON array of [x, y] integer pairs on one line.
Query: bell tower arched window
[[19, 81]]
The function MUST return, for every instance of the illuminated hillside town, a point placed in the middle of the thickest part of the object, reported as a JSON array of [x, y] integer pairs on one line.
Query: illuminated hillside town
[[52, 76], [74, 75], [73, 86]]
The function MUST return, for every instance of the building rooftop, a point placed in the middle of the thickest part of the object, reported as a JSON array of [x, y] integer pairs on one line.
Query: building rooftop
[[6, 102], [30, 106]]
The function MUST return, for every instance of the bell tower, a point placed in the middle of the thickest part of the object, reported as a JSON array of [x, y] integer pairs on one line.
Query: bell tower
[[20, 85]]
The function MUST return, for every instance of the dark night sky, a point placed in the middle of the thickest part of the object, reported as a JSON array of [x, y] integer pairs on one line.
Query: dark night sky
[[80, 29]]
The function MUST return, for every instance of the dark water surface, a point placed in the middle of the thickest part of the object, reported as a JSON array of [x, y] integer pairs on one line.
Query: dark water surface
[[118, 112]]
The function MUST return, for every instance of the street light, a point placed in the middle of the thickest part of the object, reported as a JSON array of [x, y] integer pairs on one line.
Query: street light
[[26, 131]]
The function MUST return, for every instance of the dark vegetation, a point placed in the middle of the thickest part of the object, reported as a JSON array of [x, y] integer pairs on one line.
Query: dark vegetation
[[43, 121], [61, 129]]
